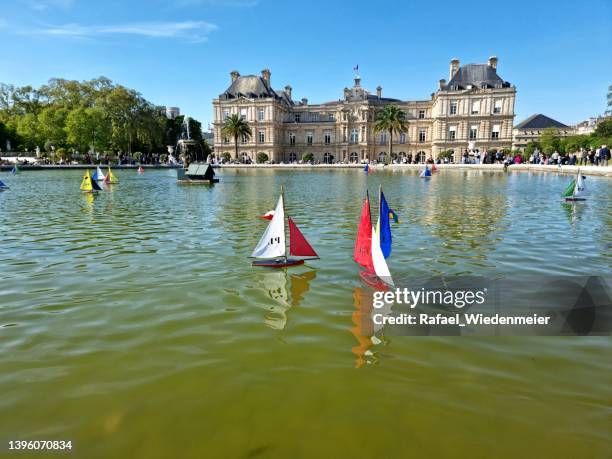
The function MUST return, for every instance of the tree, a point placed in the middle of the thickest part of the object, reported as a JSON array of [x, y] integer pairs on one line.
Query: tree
[[88, 127], [234, 126], [262, 157], [550, 140], [52, 121], [308, 157], [28, 130], [393, 120], [604, 129]]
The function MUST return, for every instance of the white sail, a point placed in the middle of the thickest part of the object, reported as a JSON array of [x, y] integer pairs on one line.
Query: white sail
[[378, 259], [272, 242], [580, 190], [99, 175]]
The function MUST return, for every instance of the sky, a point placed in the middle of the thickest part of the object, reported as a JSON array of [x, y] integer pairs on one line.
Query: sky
[[557, 53]]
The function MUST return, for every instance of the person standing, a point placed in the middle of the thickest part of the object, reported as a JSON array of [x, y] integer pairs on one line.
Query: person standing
[[604, 155]]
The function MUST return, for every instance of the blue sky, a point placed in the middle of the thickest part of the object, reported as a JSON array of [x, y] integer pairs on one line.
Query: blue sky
[[180, 52]]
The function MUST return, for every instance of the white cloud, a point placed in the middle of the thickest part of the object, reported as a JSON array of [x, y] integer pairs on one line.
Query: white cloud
[[194, 31]]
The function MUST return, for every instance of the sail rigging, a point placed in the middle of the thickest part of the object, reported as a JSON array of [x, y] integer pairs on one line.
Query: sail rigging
[[272, 242]]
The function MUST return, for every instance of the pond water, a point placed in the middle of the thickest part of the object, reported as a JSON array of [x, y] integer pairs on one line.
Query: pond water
[[132, 323]]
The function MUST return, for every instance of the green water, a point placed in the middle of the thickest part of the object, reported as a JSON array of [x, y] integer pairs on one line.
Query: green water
[[133, 324]]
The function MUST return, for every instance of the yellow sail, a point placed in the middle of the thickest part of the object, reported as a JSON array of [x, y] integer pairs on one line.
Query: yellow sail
[[111, 176], [86, 183]]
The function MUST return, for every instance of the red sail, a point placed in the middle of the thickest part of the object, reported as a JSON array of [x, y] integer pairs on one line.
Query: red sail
[[298, 245], [363, 244]]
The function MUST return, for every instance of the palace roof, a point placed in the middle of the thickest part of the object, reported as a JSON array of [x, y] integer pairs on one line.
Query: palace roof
[[539, 121], [477, 75], [253, 87]]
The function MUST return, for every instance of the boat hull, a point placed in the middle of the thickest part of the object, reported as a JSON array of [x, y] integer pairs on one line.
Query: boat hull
[[575, 199], [278, 263]]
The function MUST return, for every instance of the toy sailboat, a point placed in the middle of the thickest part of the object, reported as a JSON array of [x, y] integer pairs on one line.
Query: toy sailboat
[[576, 190], [368, 252], [271, 250], [98, 175], [426, 173], [15, 169], [366, 168], [140, 170], [433, 168], [89, 185], [110, 178], [3, 186]]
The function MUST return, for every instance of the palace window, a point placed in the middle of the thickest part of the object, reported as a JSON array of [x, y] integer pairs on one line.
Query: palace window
[[327, 158], [402, 137], [420, 157], [291, 138], [262, 136], [452, 132], [225, 139], [297, 117], [473, 132], [354, 157], [383, 138], [495, 131], [354, 136], [421, 114], [243, 113], [382, 157], [292, 157], [497, 107], [422, 135], [309, 138], [475, 107], [226, 114], [344, 116], [244, 139], [327, 137], [364, 115], [453, 108], [260, 115]]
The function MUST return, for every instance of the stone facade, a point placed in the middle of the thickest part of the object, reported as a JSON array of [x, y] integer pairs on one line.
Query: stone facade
[[531, 129], [475, 106]]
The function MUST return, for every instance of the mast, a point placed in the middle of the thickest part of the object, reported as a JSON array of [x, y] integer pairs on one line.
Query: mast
[[284, 214]]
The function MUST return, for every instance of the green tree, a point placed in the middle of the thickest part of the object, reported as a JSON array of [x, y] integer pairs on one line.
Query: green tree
[[262, 157], [52, 120], [235, 127], [550, 141], [87, 127], [308, 157], [604, 129], [28, 130], [393, 120]]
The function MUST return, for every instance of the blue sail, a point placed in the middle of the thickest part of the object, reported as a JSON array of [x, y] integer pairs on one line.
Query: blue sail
[[3, 185], [366, 168], [385, 226]]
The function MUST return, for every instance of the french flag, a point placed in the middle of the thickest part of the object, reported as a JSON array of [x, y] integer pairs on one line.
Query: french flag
[[356, 68]]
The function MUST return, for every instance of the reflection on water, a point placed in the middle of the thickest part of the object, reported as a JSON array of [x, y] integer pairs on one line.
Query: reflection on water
[[285, 291], [573, 210], [141, 300]]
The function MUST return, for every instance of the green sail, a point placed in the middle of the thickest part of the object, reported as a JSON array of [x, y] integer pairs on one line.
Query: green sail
[[569, 191]]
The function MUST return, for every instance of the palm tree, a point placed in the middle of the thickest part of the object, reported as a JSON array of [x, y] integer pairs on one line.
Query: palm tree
[[234, 126], [391, 119]]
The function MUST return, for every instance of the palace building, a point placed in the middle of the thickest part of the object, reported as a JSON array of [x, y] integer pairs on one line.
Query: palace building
[[474, 109]]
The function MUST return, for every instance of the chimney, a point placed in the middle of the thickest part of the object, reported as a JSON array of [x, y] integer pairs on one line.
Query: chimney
[[304, 101], [493, 62], [288, 91], [346, 93], [234, 74], [379, 91], [442, 83], [265, 74], [454, 67]]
